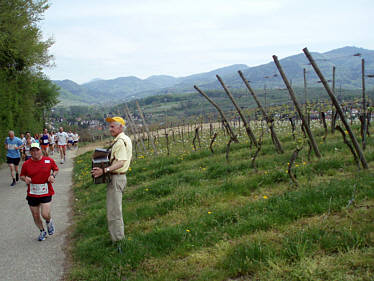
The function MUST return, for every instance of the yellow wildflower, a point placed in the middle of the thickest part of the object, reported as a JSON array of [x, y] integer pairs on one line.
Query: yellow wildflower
[[265, 197]]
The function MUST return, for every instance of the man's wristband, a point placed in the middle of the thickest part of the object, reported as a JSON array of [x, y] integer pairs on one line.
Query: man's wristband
[[53, 175]]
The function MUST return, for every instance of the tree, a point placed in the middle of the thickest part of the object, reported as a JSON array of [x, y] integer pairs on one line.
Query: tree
[[26, 94]]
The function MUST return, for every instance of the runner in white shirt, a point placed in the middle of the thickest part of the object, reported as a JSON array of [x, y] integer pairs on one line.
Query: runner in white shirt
[[70, 140], [51, 140], [75, 140], [62, 140]]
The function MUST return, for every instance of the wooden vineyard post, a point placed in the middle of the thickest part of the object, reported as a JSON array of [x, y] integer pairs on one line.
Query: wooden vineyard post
[[338, 109], [364, 119], [167, 143], [246, 125], [225, 123], [298, 109], [269, 122], [132, 124], [146, 127], [333, 119]]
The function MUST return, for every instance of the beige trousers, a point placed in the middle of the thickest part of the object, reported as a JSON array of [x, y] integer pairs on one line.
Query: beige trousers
[[114, 206]]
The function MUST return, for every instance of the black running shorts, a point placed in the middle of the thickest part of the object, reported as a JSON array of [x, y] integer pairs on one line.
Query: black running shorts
[[14, 161], [35, 201]]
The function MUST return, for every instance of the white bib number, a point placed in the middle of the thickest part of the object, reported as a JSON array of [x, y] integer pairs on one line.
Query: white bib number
[[39, 189], [12, 146], [45, 141]]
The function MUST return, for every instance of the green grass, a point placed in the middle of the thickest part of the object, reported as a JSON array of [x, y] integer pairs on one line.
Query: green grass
[[193, 216]]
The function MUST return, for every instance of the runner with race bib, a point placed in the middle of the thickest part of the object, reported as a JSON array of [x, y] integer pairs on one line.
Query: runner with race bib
[[62, 138], [13, 145], [39, 173], [44, 141]]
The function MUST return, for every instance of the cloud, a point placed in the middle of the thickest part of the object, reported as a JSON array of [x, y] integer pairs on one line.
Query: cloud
[[144, 37]]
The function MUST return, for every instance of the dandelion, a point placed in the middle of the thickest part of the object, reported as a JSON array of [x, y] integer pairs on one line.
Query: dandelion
[[265, 197], [147, 189], [130, 169], [296, 165], [304, 163], [187, 230], [209, 213]]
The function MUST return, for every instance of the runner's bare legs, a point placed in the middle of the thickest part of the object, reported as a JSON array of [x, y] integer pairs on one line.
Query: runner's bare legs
[[44, 209], [62, 152], [12, 170]]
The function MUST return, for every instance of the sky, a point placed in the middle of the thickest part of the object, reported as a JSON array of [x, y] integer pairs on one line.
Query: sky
[[110, 39]]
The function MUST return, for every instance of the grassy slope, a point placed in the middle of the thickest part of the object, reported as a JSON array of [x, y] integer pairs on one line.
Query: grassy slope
[[192, 216]]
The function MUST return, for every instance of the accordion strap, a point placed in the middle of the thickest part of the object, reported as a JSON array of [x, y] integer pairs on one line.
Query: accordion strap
[[109, 149]]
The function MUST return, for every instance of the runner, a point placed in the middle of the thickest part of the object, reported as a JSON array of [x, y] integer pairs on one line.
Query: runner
[[70, 140], [28, 134], [27, 148], [23, 139], [75, 139], [13, 156], [56, 142], [62, 138], [36, 138], [44, 141], [36, 172], [52, 142]]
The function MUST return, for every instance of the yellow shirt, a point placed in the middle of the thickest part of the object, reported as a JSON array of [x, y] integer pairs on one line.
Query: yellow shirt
[[121, 152]]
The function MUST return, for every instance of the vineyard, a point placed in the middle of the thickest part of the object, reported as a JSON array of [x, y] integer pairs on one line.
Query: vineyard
[[272, 199], [196, 215]]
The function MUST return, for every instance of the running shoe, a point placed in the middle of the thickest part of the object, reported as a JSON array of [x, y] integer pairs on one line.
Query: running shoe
[[42, 235], [50, 227], [62, 161], [13, 183]]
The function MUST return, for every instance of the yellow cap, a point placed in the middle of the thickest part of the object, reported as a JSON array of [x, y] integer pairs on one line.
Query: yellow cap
[[115, 119]]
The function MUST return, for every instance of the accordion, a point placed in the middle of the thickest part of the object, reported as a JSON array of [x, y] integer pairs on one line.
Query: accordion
[[101, 159]]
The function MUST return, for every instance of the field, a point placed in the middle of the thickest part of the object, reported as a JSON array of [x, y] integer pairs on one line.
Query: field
[[194, 216]]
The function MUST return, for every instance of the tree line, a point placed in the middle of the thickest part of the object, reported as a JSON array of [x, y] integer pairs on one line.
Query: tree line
[[26, 94]]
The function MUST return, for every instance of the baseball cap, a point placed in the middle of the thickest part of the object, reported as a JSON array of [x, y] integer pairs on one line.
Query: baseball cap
[[35, 145], [115, 119]]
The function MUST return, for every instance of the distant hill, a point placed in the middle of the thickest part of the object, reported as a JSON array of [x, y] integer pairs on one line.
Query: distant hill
[[348, 76]]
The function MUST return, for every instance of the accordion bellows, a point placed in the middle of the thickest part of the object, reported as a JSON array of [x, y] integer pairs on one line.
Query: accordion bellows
[[100, 158]]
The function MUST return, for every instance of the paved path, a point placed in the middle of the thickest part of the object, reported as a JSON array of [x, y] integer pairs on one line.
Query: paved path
[[22, 257]]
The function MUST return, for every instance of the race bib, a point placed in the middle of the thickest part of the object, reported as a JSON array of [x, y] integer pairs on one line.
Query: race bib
[[45, 141], [12, 146], [38, 189]]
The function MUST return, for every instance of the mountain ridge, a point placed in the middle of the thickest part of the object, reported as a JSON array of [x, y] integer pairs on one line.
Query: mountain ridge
[[348, 75]]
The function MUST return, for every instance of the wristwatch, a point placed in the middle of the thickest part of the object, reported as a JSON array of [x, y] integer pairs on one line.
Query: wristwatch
[[106, 170]]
